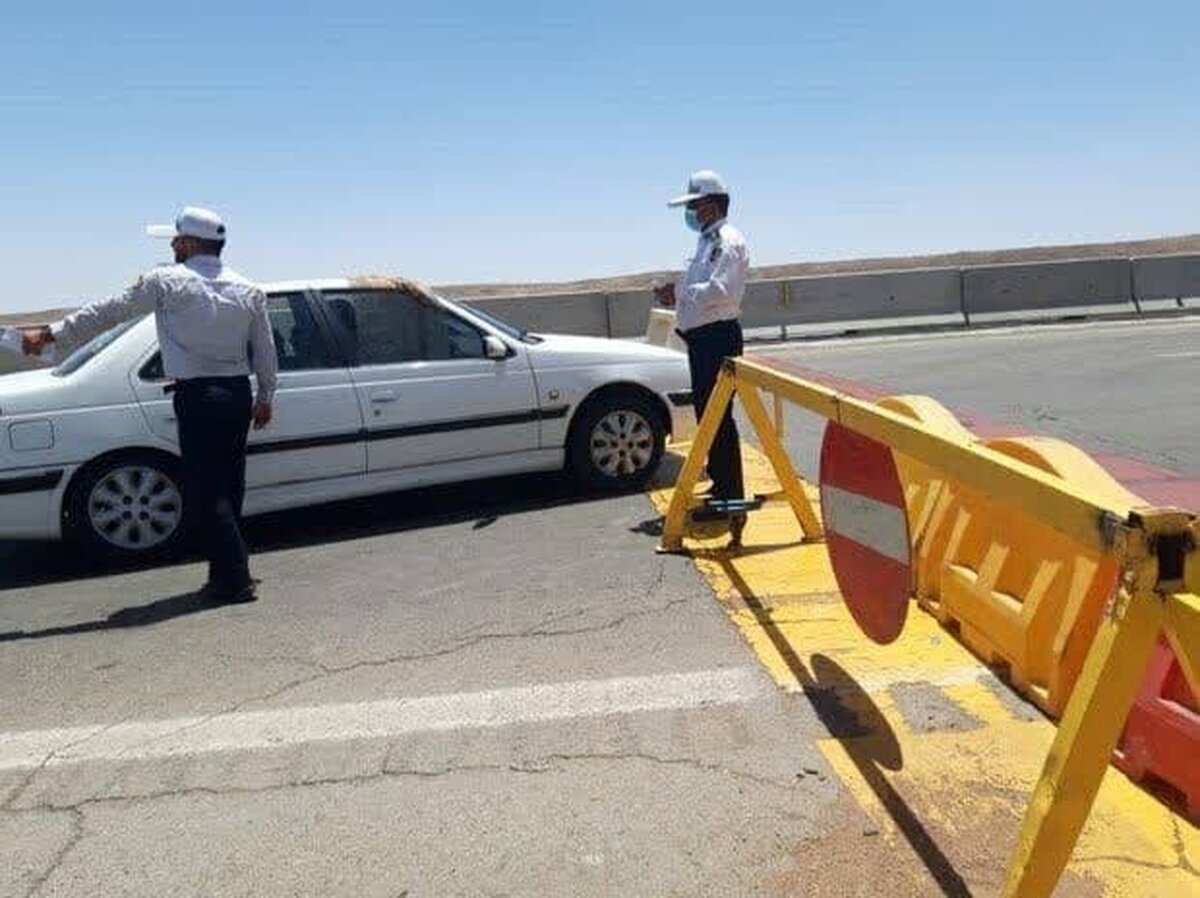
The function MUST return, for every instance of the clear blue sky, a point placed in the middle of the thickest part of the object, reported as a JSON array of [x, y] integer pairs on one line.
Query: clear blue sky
[[478, 141]]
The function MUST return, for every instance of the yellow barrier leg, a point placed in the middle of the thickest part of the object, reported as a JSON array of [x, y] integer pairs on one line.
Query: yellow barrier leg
[[706, 432], [791, 483], [1087, 734]]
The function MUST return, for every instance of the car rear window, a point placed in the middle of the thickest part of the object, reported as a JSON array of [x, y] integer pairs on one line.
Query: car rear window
[[91, 349]]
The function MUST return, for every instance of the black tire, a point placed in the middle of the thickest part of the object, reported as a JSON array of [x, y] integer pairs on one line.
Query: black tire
[[127, 507], [617, 442]]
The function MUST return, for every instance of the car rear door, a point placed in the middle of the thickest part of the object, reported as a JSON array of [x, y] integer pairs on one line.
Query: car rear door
[[429, 394], [317, 429]]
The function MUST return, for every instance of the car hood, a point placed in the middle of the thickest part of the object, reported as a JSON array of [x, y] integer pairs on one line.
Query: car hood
[[558, 350]]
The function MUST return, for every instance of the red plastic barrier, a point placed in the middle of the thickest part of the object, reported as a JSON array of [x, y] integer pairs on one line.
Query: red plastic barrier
[[1162, 736]]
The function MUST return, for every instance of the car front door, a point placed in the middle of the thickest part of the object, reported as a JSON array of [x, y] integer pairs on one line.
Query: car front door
[[317, 429], [429, 393]]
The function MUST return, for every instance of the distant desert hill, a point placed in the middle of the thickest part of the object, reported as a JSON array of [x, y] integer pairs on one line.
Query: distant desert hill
[[1158, 246]]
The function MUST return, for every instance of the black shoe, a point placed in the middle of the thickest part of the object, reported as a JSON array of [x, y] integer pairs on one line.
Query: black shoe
[[221, 594]]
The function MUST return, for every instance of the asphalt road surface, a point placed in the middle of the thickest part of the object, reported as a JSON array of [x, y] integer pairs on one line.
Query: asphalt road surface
[[490, 689], [1127, 388]]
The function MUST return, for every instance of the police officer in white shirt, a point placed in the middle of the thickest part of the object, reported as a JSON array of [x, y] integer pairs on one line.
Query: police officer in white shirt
[[708, 304], [213, 330]]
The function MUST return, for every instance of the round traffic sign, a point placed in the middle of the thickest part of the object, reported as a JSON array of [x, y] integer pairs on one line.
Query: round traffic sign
[[866, 529]]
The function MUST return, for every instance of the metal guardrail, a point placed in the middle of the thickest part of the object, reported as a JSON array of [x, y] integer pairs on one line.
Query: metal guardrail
[[1156, 549]]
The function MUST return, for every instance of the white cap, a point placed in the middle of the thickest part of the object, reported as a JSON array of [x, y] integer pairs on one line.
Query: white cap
[[192, 222], [700, 184]]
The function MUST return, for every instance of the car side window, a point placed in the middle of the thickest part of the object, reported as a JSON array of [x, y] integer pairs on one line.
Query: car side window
[[446, 336], [299, 342], [383, 327]]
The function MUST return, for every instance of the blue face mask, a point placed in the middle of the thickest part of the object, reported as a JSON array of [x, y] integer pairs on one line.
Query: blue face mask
[[692, 219]]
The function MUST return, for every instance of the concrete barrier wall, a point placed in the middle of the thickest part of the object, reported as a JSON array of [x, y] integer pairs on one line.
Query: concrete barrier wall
[[853, 297], [1166, 277], [566, 313], [1048, 287], [941, 295], [878, 295], [629, 313]]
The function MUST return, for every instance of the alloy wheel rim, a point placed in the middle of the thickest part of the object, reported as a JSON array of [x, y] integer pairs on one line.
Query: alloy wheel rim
[[135, 507], [622, 443]]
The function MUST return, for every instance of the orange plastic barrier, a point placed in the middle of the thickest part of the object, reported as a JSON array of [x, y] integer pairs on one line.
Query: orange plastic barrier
[[1021, 595], [1162, 736]]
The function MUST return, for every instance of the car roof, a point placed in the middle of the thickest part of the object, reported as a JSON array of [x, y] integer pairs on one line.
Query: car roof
[[359, 282]]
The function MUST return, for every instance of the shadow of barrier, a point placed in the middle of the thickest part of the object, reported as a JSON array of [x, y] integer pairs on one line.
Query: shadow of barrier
[[1043, 563], [851, 717]]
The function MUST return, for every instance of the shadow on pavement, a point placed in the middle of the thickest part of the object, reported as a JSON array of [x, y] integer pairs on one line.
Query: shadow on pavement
[[483, 502], [853, 718], [126, 618]]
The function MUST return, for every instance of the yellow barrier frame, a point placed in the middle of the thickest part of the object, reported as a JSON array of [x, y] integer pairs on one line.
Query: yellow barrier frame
[[1156, 548]]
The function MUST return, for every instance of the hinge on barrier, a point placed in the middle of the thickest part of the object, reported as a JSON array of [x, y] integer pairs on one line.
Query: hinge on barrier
[[1169, 538], [1116, 533], [1171, 551]]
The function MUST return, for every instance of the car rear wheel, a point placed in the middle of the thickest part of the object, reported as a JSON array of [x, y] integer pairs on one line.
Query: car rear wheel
[[127, 507], [617, 442]]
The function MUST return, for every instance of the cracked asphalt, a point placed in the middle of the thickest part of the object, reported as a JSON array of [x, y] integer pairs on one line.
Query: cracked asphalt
[[464, 590]]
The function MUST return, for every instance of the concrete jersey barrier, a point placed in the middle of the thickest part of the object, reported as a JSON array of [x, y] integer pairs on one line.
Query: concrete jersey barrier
[[931, 292], [1104, 285], [1166, 277], [585, 314]]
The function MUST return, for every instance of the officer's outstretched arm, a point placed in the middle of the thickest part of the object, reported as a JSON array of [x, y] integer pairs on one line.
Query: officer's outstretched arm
[[95, 318]]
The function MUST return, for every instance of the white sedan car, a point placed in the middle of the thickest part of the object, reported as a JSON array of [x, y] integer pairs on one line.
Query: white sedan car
[[382, 387]]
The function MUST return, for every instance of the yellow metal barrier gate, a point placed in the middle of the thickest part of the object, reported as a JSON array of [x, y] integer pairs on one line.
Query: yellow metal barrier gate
[[1155, 549]]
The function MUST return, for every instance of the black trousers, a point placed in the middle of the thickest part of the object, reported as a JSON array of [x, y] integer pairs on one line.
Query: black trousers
[[213, 415], [707, 346]]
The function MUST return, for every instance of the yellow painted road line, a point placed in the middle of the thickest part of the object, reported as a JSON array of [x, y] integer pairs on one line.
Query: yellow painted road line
[[952, 799]]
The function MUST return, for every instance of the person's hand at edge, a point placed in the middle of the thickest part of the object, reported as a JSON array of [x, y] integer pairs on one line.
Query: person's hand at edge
[[261, 414]]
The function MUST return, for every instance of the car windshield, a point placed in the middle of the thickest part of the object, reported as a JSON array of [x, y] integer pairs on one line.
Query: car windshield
[[504, 327], [91, 349]]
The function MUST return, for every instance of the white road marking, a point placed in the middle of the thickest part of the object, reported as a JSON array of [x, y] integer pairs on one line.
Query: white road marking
[[873, 684], [880, 527], [248, 730], [1179, 355]]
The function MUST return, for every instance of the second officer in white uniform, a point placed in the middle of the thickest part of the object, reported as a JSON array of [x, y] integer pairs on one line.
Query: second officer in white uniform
[[708, 304]]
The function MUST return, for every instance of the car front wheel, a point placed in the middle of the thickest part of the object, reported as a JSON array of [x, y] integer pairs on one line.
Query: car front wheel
[[617, 442], [127, 507]]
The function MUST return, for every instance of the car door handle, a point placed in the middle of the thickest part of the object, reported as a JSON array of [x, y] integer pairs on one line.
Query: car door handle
[[383, 396]]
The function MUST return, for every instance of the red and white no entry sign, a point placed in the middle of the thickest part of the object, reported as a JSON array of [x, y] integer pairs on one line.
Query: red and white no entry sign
[[866, 529]]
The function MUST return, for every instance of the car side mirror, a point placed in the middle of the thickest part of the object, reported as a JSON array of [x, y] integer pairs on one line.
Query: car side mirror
[[494, 348]]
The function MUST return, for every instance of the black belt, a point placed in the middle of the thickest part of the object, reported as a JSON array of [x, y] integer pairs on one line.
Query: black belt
[[709, 328], [201, 381]]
